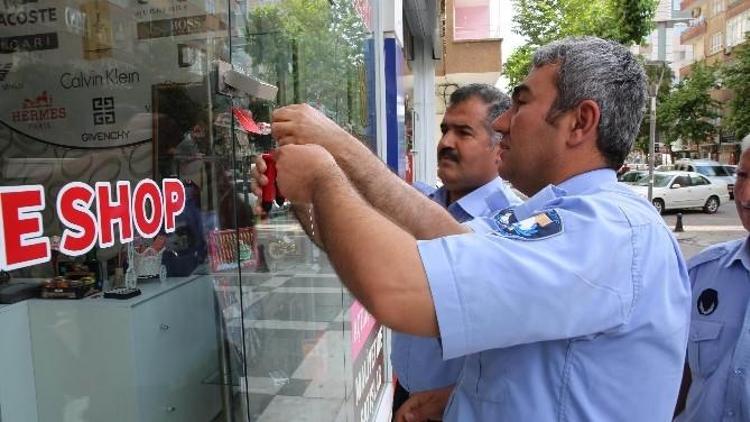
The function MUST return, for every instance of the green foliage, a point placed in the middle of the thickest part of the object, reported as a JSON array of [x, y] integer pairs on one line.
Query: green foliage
[[543, 21], [737, 78], [538, 20], [689, 112], [518, 65], [662, 75], [632, 19], [313, 51]]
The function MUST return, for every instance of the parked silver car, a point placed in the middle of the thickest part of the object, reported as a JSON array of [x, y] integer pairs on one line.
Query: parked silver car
[[714, 170]]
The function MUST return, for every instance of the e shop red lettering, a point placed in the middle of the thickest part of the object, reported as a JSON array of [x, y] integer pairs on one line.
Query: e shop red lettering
[[89, 216]]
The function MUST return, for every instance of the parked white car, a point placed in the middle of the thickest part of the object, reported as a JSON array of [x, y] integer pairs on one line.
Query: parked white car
[[632, 176], [679, 190]]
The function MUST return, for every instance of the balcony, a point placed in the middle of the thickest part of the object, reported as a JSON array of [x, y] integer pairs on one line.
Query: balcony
[[694, 30]]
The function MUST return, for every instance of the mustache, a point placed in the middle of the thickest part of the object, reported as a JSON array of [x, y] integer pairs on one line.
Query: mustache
[[448, 153]]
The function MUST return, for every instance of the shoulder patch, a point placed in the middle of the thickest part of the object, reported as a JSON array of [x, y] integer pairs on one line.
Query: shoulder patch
[[539, 226], [708, 255]]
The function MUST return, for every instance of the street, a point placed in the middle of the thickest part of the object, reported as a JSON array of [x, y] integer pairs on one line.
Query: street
[[703, 230]]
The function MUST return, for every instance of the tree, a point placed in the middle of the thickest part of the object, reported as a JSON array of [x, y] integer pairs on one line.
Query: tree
[[657, 74], [517, 65], [313, 50], [689, 112], [633, 20], [737, 78], [542, 21]]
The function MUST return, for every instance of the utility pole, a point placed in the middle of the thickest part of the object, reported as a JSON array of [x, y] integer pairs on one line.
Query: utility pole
[[654, 91], [661, 55]]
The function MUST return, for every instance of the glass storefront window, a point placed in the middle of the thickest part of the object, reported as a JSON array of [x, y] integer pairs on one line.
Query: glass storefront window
[[139, 283]]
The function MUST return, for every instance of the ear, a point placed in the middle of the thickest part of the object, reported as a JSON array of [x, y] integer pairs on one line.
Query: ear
[[498, 154], [586, 122]]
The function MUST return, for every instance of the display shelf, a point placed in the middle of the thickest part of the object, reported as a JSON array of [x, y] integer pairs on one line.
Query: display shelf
[[147, 356]]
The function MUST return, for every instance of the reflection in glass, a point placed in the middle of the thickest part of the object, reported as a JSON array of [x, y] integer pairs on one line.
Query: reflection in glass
[[239, 316]]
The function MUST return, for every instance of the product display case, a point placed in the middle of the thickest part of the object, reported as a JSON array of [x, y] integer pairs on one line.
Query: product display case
[[144, 358]]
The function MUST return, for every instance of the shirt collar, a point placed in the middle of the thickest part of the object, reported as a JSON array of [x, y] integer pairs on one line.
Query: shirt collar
[[474, 202], [440, 195], [588, 181], [577, 184], [742, 254]]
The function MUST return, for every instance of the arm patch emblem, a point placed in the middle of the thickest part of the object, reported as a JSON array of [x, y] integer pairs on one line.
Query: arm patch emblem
[[537, 227]]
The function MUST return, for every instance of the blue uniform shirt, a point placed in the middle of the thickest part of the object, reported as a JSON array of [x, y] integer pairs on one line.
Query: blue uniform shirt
[[418, 361], [480, 202], [719, 344], [573, 306]]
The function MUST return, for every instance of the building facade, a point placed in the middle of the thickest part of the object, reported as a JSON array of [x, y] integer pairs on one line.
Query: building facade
[[716, 29]]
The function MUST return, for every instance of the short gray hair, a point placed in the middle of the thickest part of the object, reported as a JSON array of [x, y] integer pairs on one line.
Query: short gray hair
[[496, 100], [606, 72]]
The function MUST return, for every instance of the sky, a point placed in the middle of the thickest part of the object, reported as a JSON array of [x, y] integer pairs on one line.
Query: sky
[[511, 40]]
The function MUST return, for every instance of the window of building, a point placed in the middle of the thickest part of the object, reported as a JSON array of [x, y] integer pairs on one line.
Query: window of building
[[717, 43], [476, 19], [718, 6], [737, 28]]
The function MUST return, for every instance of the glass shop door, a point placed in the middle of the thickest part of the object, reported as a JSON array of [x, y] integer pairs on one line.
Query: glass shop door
[[301, 347]]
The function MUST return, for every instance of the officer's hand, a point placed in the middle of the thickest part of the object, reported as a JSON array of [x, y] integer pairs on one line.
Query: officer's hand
[[424, 406], [301, 169], [301, 124], [257, 181]]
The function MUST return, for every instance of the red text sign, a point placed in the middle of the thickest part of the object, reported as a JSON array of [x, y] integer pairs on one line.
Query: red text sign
[[89, 216]]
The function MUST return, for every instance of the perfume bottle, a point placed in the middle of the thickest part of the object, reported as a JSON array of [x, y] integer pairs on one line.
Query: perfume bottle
[[97, 34]]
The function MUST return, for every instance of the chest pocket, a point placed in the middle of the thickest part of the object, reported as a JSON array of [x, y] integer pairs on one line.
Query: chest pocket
[[704, 347], [483, 377]]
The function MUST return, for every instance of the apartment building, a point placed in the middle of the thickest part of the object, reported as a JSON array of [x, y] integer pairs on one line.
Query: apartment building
[[716, 28], [676, 54], [472, 46]]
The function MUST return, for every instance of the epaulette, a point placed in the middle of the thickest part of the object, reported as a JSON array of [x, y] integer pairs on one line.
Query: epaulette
[[709, 254]]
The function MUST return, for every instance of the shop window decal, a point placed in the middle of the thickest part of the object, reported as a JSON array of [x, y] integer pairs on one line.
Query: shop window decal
[[22, 243], [103, 110], [149, 209], [73, 204], [113, 211], [5, 70]]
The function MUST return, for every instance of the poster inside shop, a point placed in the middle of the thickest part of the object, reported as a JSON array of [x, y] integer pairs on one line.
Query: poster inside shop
[[367, 354], [80, 73]]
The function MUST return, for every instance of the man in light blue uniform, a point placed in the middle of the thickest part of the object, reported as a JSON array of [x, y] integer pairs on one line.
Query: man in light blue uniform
[[468, 158], [572, 306], [718, 354]]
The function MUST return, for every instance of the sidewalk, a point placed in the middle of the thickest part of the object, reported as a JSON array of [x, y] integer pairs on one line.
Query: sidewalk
[[698, 237]]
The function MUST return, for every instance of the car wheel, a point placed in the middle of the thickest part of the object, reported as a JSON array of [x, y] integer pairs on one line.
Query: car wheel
[[712, 205], [659, 205]]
